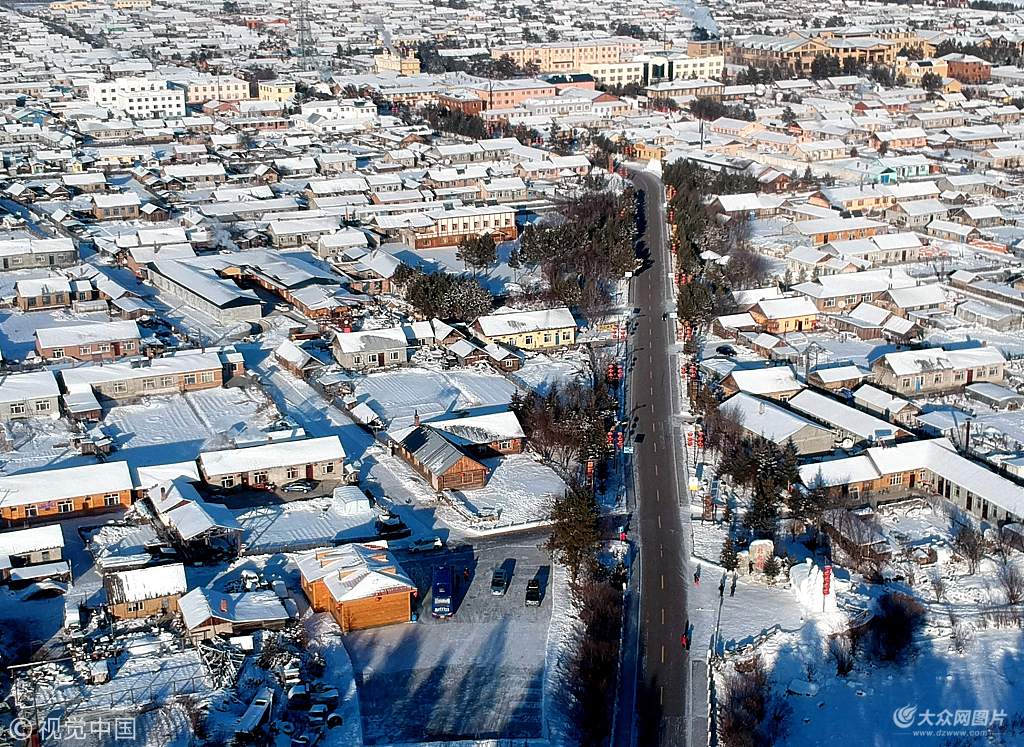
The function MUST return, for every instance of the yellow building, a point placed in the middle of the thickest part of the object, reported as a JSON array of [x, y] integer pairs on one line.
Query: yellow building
[[280, 91], [798, 50], [554, 57], [915, 70], [132, 4], [70, 6], [406, 64], [529, 330]]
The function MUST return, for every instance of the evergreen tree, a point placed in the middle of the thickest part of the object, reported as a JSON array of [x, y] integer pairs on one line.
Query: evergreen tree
[[772, 568], [729, 558], [574, 531]]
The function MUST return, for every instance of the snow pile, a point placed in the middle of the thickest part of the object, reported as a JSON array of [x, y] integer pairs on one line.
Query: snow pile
[[807, 582]]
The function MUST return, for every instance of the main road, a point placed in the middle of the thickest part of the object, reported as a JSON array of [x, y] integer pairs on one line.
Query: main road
[[662, 689]]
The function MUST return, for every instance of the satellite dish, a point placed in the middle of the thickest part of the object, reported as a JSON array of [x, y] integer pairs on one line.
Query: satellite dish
[[847, 443]]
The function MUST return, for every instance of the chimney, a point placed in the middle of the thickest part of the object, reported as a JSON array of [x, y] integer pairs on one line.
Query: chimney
[[163, 492], [416, 418], [224, 605]]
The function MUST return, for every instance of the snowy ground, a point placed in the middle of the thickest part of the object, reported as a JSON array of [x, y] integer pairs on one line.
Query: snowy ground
[[176, 428], [38, 443], [301, 525], [986, 677], [519, 490], [426, 680]]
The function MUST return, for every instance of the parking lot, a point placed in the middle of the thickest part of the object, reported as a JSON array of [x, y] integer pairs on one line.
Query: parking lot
[[425, 681]]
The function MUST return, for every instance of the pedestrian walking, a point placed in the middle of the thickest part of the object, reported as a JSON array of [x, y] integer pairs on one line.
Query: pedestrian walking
[[465, 573], [696, 578], [732, 589], [684, 641], [721, 588]]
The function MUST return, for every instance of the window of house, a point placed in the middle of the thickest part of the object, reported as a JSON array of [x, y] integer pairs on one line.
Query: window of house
[[43, 405], [149, 383], [206, 377], [17, 409], [111, 499], [120, 387], [896, 479], [958, 375], [166, 381], [227, 482], [992, 371], [329, 468], [357, 359], [58, 353], [65, 507], [259, 478], [905, 383], [292, 473], [529, 339], [133, 606], [394, 355], [938, 378], [31, 511], [190, 378], [103, 348], [128, 345]]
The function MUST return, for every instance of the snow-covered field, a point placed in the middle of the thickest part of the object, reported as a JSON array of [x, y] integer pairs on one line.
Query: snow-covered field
[[301, 525], [176, 428], [38, 443], [519, 490]]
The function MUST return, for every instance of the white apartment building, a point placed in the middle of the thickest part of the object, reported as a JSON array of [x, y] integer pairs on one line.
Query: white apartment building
[[204, 88], [647, 69], [139, 98]]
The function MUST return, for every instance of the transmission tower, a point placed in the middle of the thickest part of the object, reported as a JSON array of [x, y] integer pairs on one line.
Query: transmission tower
[[304, 35]]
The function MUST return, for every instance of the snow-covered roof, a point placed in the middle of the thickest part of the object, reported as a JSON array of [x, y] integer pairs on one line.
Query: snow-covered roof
[[141, 584], [28, 386], [352, 572], [769, 380], [271, 456], [520, 322], [767, 419], [85, 334], [842, 417], [909, 362], [253, 607], [22, 541], [68, 482], [474, 427], [880, 399], [936, 455], [83, 378], [371, 340]]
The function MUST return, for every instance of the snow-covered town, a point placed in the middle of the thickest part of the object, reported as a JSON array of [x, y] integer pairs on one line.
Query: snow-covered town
[[595, 374]]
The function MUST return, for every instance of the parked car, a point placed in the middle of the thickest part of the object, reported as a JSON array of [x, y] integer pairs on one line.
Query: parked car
[[441, 590], [300, 486], [499, 582], [318, 714], [533, 596], [425, 544], [727, 350]]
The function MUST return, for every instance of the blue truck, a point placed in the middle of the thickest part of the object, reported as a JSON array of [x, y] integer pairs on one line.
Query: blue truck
[[442, 592]]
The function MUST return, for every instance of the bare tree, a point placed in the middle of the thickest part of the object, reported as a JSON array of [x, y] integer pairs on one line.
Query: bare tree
[[971, 545], [1012, 581]]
